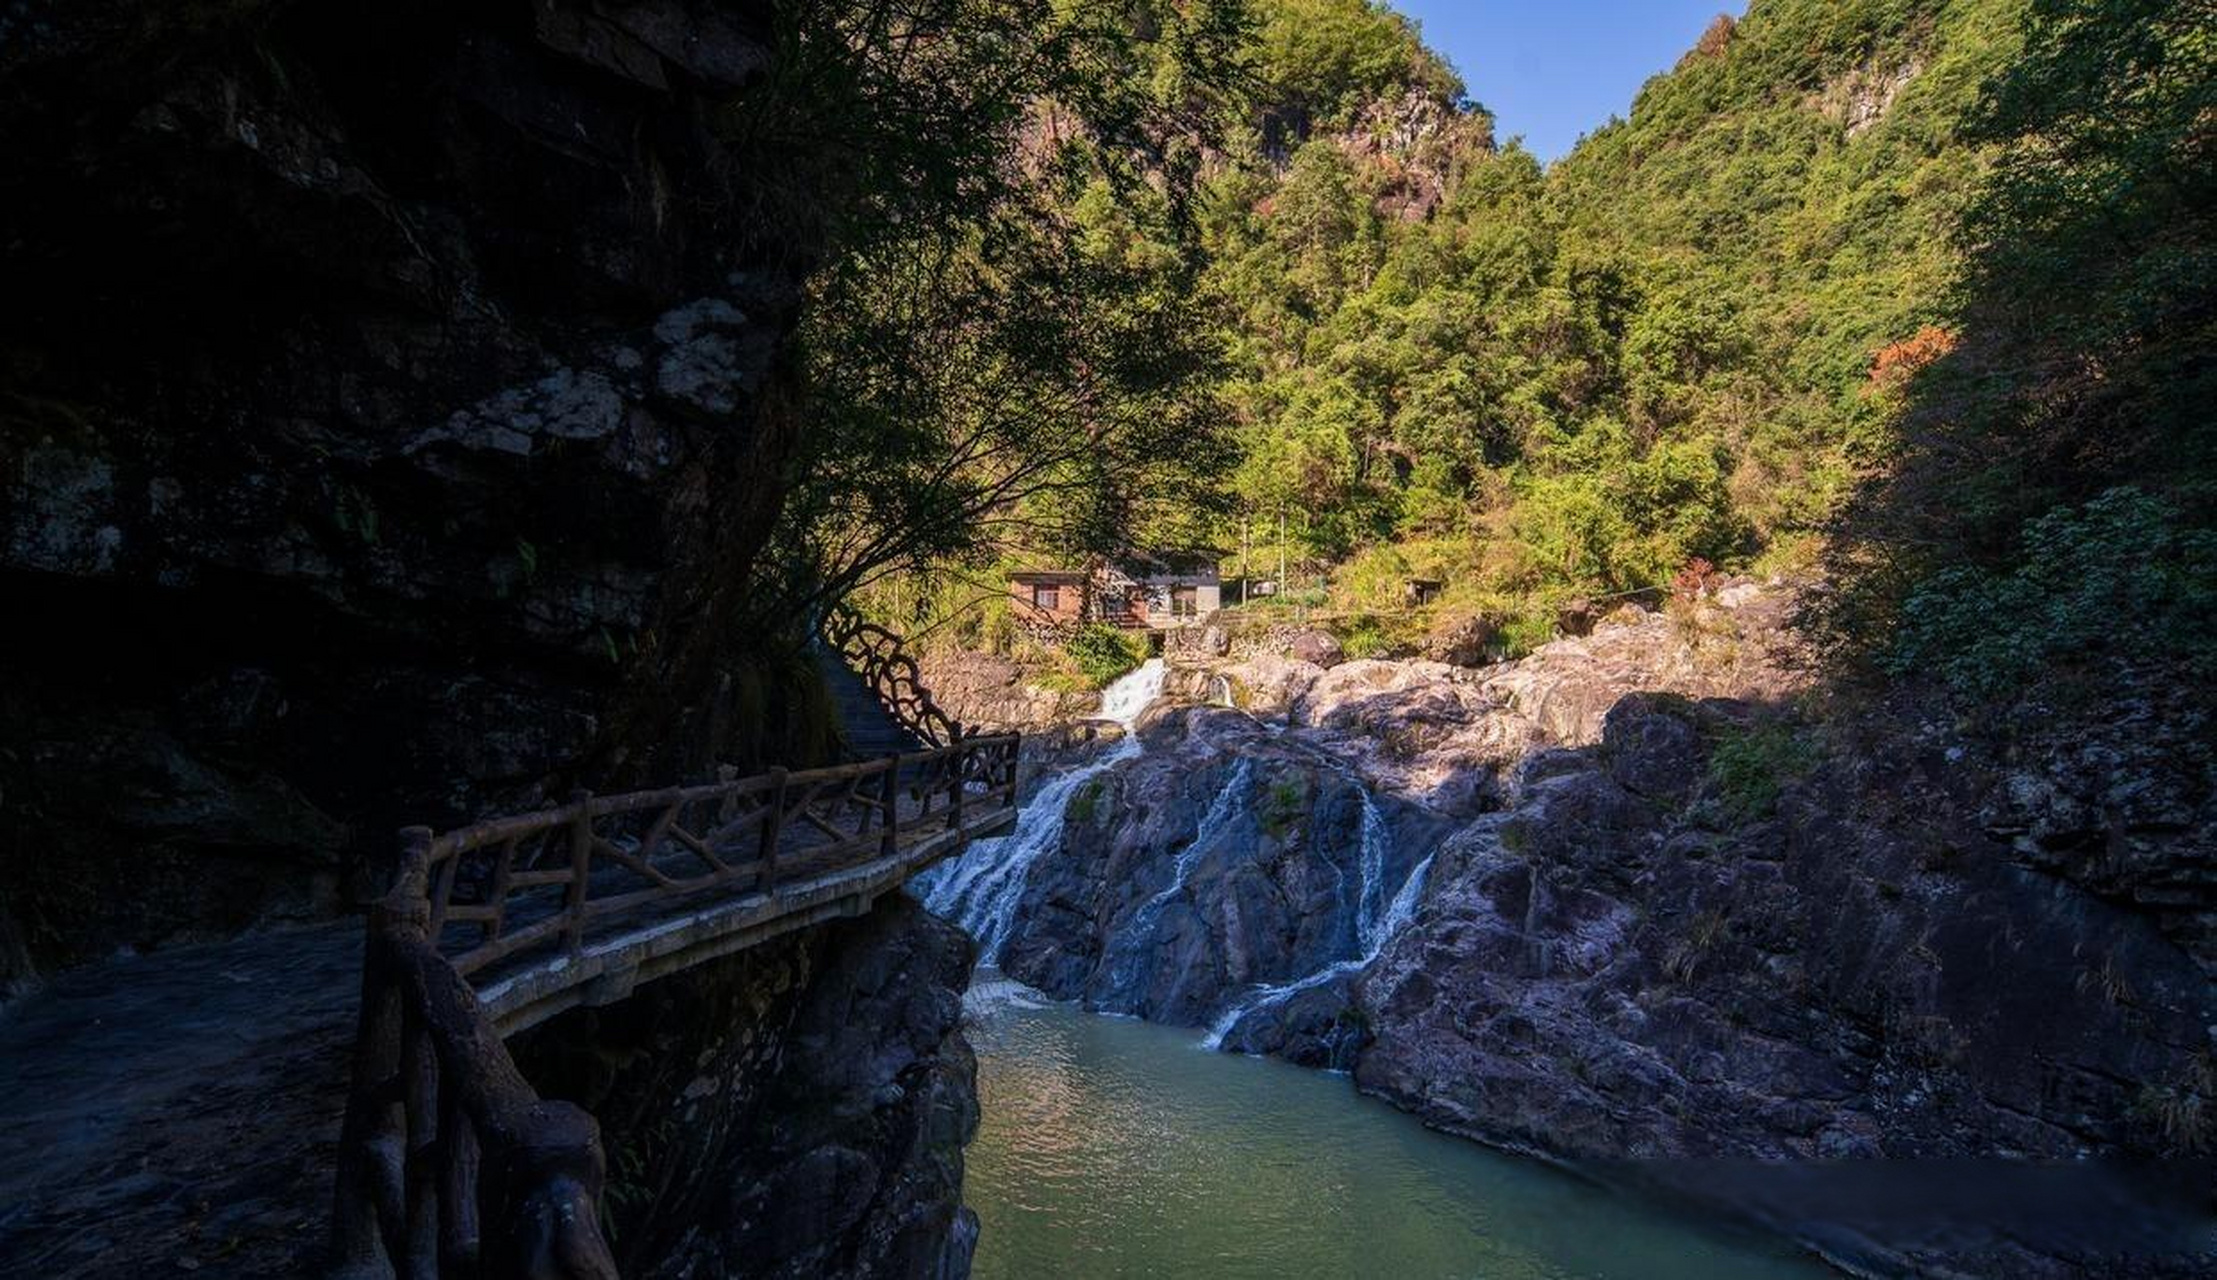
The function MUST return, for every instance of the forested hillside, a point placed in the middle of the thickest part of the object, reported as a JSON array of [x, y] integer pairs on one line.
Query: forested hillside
[[1668, 347], [1755, 324]]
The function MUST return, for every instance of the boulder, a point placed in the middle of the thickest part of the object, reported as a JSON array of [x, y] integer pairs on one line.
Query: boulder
[[1269, 684], [1319, 648], [1461, 642]]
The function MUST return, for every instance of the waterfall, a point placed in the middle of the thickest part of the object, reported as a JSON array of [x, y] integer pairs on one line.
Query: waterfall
[[1373, 928], [981, 889], [1377, 838], [1133, 692]]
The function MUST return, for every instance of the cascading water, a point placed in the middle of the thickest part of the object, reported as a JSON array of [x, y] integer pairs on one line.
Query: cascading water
[[1373, 928], [1377, 839], [1133, 693], [981, 890]]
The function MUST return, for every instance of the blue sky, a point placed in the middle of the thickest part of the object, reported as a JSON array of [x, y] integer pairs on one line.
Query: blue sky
[[1554, 69]]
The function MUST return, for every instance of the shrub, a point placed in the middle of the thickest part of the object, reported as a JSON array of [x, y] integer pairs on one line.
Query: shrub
[[1283, 806], [1370, 636], [2118, 575], [1748, 769], [1526, 631], [1086, 805], [1102, 653]]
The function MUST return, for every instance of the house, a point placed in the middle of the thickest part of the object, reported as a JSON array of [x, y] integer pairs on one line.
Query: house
[[1160, 591], [1138, 591], [1050, 597]]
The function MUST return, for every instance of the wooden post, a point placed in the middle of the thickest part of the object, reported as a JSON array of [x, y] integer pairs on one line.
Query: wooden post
[[368, 1187], [1281, 552], [497, 897], [412, 877], [890, 797], [728, 806], [960, 762], [773, 828], [581, 869], [442, 895], [458, 1229], [420, 1088]]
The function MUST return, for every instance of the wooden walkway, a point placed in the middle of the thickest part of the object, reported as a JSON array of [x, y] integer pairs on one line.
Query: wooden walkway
[[180, 1111], [449, 1163]]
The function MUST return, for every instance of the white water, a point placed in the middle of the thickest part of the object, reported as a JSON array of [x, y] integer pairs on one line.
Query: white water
[[1133, 693], [1229, 803], [981, 890], [1373, 930], [1377, 839]]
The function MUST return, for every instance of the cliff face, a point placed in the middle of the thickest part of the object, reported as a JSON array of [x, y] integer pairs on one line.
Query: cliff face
[[385, 418], [797, 1110], [389, 419]]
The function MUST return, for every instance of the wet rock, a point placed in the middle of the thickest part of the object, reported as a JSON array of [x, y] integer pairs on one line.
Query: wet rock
[[1220, 863]]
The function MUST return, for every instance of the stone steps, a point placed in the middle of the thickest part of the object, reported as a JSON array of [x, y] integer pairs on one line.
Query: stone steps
[[867, 730]]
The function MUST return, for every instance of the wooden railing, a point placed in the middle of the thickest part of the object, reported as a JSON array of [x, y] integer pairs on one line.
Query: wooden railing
[[449, 1163], [878, 656]]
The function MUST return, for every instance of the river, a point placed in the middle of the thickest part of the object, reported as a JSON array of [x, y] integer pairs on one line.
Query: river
[[1112, 1147]]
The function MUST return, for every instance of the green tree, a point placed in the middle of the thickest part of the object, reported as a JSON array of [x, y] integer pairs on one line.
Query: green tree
[[2083, 372]]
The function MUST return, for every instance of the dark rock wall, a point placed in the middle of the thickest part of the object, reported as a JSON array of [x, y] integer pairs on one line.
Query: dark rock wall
[[390, 407], [387, 410], [797, 1110], [1623, 965]]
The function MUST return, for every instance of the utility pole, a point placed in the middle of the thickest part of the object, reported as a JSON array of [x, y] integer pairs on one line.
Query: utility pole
[[1281, 549], [1246, 541]]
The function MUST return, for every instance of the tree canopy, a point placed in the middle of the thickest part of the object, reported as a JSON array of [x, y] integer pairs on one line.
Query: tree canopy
[[1876, 286]]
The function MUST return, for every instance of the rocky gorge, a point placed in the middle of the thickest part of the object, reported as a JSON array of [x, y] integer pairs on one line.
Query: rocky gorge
[[1653, 893]]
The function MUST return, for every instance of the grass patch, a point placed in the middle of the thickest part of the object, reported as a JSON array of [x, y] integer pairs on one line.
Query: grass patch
[[1283, 806], [1086, 805], [1748, 768]]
